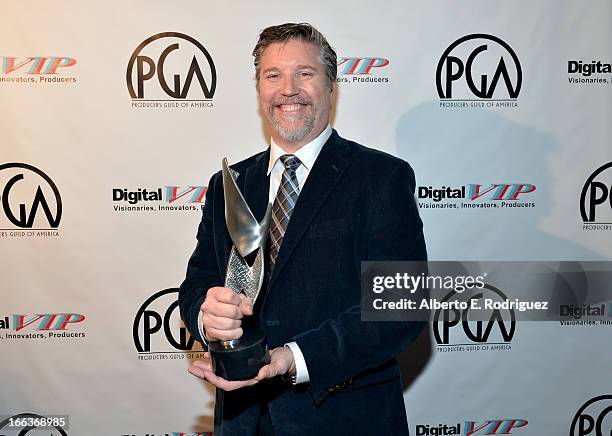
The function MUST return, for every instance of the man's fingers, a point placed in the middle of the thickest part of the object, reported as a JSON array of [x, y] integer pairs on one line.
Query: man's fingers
[[227, 385], [224, 335], [270, 370], [246, 307], [198, 372], [200, 367], [281, 359], [219, 323], [224, 310], [221, 328], [203, 369], [265, 372], [224, 295], [203, 364]]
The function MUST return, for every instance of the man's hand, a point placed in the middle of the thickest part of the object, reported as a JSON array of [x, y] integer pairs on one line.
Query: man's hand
[[222, 312], [281, 363], [203, 369]]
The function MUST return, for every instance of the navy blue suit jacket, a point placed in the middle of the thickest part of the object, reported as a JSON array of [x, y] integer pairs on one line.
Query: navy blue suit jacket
[[357, 204]]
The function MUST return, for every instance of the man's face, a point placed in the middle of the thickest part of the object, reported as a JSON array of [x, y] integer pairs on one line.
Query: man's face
[[294, 93]]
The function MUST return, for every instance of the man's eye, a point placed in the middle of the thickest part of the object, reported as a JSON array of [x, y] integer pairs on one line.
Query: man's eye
[[305, 74], [272, 76]]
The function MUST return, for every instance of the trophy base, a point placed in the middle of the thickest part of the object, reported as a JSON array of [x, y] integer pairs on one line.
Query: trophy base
[[241, 358]]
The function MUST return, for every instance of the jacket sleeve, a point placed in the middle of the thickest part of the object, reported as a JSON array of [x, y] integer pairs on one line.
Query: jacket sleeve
[[346, 347], [203, 270]]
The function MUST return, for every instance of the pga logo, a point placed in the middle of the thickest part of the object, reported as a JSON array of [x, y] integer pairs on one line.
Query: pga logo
[[479, 65], [183, 67]]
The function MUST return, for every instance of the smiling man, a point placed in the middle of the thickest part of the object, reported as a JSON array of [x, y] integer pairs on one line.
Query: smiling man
[[335, 203], [294, 92]]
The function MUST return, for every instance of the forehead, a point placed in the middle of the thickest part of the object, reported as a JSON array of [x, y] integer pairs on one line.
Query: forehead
[[290, 53]]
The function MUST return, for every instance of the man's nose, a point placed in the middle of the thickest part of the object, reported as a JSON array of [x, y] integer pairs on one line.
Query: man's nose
[[289, 86]]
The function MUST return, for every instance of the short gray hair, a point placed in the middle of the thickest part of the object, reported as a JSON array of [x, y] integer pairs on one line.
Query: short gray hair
[[301, 31]]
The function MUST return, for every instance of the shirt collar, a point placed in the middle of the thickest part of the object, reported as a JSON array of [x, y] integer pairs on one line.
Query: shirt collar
[[307, 154]]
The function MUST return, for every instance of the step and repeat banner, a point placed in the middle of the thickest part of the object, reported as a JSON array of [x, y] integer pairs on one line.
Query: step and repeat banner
[[115, 116]]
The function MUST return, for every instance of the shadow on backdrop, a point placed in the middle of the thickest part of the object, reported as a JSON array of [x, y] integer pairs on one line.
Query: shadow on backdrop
[[455, 147]]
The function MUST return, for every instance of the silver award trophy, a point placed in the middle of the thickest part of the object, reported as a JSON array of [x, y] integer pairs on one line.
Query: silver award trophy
[[241, 359]]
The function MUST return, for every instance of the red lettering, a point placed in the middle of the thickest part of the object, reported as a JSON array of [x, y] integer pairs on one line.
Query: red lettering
[[37, 66], [68, 318], [18, 321], [45, 324], [56, 63], [199, 196], [374, 63], [8, 64], [494, 427], [173, 193], [475, 191], [511, 424], [501, 191], [469, 427], [520, 189], [351, 65]]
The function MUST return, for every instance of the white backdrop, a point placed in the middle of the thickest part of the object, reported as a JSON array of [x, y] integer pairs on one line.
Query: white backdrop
[[68, 113]]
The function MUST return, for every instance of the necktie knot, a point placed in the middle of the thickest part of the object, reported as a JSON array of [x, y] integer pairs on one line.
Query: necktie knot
[[290, 162]]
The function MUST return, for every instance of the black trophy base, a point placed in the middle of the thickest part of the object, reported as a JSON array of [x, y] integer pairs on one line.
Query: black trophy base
[[241, 358]]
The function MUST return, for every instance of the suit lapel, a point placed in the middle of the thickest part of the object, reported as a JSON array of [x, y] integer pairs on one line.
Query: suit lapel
[[327, 170], [254, 185]]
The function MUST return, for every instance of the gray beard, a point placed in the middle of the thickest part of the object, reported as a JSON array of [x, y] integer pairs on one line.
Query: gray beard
[[294, 135]]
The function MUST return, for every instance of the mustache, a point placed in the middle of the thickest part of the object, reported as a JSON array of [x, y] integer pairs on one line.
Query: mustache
[[292, 100]]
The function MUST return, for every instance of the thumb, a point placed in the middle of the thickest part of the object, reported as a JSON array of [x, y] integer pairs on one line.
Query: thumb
[[279, 365], [268, 371], [245, 306]]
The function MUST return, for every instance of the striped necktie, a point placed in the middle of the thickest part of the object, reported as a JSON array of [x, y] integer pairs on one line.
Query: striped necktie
[[285, 200]]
